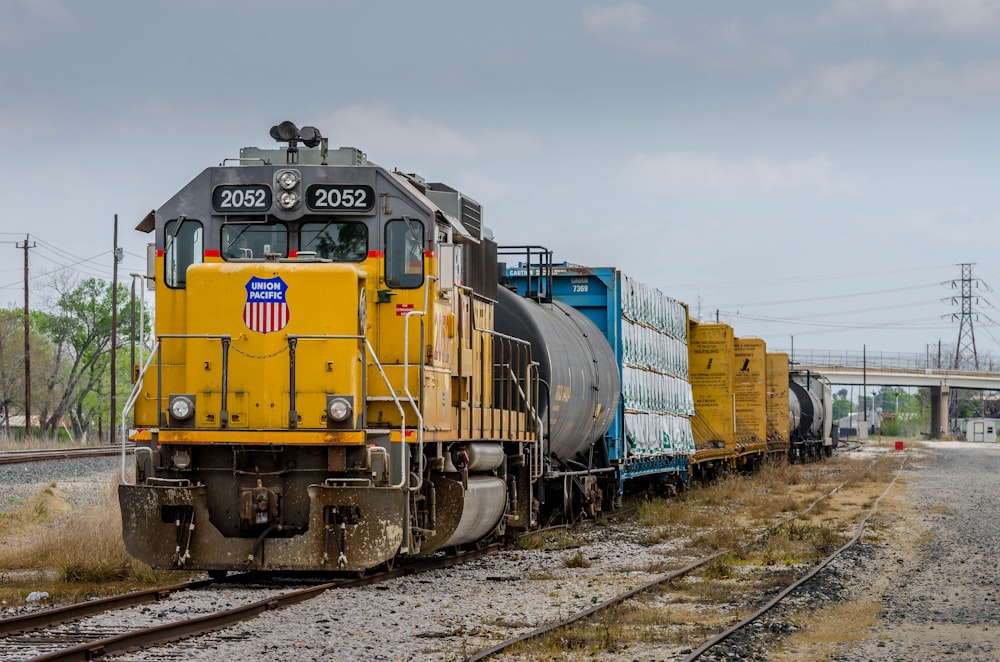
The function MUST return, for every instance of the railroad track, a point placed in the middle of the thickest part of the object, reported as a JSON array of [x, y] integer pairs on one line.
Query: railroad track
[[20, 457], [661, 580], [92, 630]]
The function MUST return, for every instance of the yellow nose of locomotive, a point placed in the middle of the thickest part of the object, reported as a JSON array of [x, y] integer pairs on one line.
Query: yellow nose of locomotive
[[294, 348]]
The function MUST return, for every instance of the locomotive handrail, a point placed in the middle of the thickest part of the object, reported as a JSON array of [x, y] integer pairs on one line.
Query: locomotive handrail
[[133, 396], [406, 389], [385, 378], [529, 408], [225, 338], [520, 341], [406, 381], [536, 458]]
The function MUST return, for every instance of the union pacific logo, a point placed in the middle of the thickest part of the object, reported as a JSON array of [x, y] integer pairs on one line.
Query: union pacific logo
[[266, 309]]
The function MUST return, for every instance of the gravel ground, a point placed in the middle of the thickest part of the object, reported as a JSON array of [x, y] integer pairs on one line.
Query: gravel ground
[[931, 577], [939, 587], [441, 615], [77, 477], [928, 566]]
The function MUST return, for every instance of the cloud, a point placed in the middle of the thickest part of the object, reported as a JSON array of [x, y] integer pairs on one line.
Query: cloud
[[18, 21], [627, 24], [953, 225], [925, 86], [700, 174], [54, 11], [384, 132], [942, 17], [840, 82]]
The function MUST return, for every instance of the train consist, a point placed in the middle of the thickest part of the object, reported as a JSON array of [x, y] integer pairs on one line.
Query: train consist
[[348, 370]]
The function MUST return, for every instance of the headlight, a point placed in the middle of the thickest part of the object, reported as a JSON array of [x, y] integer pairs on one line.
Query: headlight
[[339, 409], [181, 408], [288, 199], [288, 179]]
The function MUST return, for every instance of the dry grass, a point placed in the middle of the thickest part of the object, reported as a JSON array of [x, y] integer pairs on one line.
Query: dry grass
[[825, 628], [72, 554], [38, 509], [37, 442], [748, 516], [578, 560]]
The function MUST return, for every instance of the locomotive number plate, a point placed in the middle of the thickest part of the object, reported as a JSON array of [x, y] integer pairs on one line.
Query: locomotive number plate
[[340, 197], [241, 197]]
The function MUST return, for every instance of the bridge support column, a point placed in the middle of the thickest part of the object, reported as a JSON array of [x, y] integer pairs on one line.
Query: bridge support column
[[939, 411]]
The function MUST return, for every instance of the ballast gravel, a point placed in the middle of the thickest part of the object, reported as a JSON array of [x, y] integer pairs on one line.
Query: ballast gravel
[[83, 480], [940, 586], [935, 578]]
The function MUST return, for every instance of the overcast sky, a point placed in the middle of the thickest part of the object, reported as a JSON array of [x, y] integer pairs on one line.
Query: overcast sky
[[816, 170]]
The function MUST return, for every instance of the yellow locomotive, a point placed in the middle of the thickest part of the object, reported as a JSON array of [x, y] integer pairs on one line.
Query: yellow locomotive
[[327, 390]]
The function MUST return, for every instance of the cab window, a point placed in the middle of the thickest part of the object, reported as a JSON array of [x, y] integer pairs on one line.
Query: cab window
[[182, 247], [334, 240], [404, 253], [253, 241]]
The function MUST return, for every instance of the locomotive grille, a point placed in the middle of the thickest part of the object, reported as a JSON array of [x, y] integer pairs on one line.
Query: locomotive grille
[[468, 211], [472, 216]]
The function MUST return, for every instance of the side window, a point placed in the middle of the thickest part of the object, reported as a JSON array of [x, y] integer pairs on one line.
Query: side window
[[182, 247], [340, 242], [253, 241], [404, 253]]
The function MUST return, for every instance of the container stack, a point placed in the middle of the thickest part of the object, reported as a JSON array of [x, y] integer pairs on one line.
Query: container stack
[[655, 385]]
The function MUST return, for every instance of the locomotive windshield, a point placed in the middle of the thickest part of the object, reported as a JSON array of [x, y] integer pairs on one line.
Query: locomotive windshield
[[337, 241], [248, 241]]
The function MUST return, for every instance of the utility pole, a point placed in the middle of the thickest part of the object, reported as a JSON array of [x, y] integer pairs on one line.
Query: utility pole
[[27, 341], [966, 336], [114, 335]]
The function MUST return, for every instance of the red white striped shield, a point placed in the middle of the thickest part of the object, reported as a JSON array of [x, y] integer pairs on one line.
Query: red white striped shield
[[266, 309]]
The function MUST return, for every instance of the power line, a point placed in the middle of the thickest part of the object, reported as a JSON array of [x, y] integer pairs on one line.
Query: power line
[[813, 279], [830, 297]]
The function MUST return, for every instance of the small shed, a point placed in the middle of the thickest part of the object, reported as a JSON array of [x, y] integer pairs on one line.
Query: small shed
[[981, 429]]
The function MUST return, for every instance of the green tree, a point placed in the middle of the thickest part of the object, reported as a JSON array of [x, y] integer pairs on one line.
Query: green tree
[[841, 405], [79, 381], [12, 391], [11, 365]]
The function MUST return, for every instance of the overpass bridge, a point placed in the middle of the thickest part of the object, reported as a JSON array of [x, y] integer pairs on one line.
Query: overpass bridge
[[899, 369]]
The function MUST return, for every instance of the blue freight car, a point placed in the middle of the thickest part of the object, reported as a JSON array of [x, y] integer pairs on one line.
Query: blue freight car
[[649, 438]]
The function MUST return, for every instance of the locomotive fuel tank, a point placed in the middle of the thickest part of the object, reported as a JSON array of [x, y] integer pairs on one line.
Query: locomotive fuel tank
[[575, 362]]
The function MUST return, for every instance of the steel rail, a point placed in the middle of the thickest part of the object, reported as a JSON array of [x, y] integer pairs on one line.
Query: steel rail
[[58, 615], [716, 640], [149, 637], [20, 457], [628, 594], [596, 608]]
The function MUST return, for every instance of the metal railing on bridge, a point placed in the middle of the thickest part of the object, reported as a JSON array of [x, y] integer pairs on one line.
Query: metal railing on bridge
[[878, 359]]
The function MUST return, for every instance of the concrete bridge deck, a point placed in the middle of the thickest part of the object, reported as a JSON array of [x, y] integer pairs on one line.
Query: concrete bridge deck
[[900, 369]]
